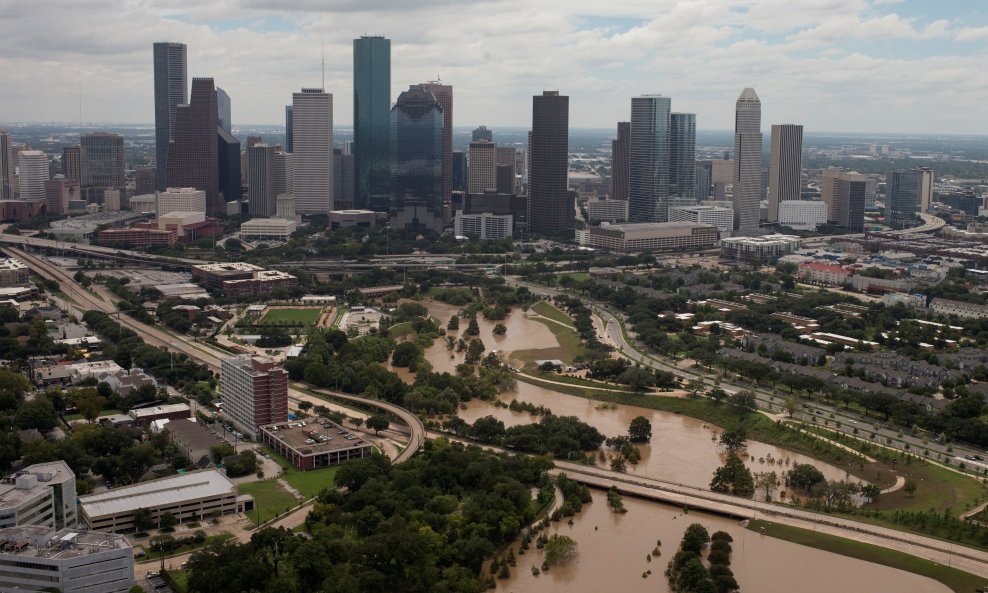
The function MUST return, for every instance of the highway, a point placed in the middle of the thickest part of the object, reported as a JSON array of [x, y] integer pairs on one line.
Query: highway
[[83, 248]]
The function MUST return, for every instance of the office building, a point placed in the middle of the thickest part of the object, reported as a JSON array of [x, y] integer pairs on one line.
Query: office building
[[722, 218], [483, 226], [550, 206], [145, 179], [343, 184], [444, 96], [102, 165], [223, 111], [254, 392], [785, 167], [40, 494], [747, 163], [704, 175], [314, 444], [6, 167], [416, 161], [72, 163], [482, 171], [505, 176], [372, 122], [312, 151], [482, 133], [763, 249], [170, 91], [621, 161], [228, 166], [802, 215], [925, 188], [41, 559], [32, 173], [261, 192], [59, 192], [284, 173], [903, 197], [844, 194], [181, 199], [289, 129], [460, 171], [268, 229], [285, 207], [682, 155], [193, 159], [607, 210], [353, 218], [648, 186], [651, 236]]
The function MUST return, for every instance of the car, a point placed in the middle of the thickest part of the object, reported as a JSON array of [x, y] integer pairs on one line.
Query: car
[[970, 458], [978, 458]]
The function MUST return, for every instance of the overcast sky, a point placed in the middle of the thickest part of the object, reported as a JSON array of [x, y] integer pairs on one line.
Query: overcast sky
[[832, 65]]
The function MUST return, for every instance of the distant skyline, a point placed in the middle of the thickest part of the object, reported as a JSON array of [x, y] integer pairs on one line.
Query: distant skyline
[[876, 66]]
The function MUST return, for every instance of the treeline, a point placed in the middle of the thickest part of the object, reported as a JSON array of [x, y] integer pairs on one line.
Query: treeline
[[565, 437]]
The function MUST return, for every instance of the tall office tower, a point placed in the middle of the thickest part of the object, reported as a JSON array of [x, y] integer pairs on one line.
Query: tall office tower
[[620, 161], [844, 194], [417, 161], [252, 140], [228, 166], [704, 179], [482, 168], [506, 178], [102, 165], [482, 133], [170, 91], [223, 110], [285, 207], [6, 167], [312, 151], [550, 209], [32, 172], [284, 173], [59, 192], [254, 392], [289, 130], [444, 95], [925, 188], [261, 192], [372, 122], [459, 170], [145, 182], [903, 197], [648, 184], [521, 168], [192, 154], [72, 163], [785, 167], [342, 179], [747, 163], [682, 155]]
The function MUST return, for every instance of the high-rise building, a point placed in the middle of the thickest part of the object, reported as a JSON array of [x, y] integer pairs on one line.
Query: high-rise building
[[312, 151], [228, 166], [193, 159], [444, 96], [550, 207], [747, 163], [621, 161], [785, 167], [145, 182], [261, 190], [72, 163], [223, 110], [903, 197], [482, 133], [459, 170], [704, 179], [372, 122], [482, 169], [32, 173], [417, 160], [6, 166], [289, 130], [254, 392], [648, 184], [506, 178], [844, 194], [59, 192], [342, 180], [181, 199], [925, 188], [284, 173], [102, 165], [170, 91], [285, 207], [682, 155]]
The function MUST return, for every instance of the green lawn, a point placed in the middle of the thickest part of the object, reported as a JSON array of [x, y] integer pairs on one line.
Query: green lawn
[[270, 499], [179, 580], [570, 344], [957, 580], [309, 483], [570, 380], [110, 412], [546, 309], [292, 316], [578, 276], [400, 330]]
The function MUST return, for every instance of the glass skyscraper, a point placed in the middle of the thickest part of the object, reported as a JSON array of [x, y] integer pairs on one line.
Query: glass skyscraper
[[417, 161], [170, 91], [223, 110], [682, 155], [648, 184], [371, 122]]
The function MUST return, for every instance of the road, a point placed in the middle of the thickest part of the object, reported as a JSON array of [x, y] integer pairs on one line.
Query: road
[[84, 248]]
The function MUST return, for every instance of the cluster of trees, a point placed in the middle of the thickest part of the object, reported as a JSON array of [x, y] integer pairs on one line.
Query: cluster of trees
[[565, 437], [14, 327], [584, 326], [620, 370], [686, 571]]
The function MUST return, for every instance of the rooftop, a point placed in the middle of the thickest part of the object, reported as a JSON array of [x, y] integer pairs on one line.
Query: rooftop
[[12, 264], [312, 437], [228, 267], [158, 410], [192, 434], [35, 541], [39, 476], [156, 493]]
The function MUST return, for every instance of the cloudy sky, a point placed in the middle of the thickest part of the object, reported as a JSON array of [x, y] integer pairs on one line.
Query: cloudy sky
[[832, 65]]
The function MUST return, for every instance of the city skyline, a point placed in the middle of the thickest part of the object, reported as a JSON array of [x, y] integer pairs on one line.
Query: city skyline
[[834, 67]]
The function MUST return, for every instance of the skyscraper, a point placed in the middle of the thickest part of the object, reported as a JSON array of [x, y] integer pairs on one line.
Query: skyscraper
[[682, 155], [342, 180], [785, 167], [648, 184], [482, 171], [6, 167], [459, 170], [223, 110], [506, 163], [903, 197], [254, 392], [844, 194], [704, 179], [372, 122], [261, 192], [550, 209], [620, 161], [192, 155], [32, 173], [289, 130], [228, 165], [102, 165], [444, 96], [747, 163], [482, 133], [170, 91], [417, 160], [145, 183], [284, 174], [312, 151], [72, 162], [925, 188]]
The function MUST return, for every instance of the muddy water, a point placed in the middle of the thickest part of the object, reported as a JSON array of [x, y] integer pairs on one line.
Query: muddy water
[[613, 549]]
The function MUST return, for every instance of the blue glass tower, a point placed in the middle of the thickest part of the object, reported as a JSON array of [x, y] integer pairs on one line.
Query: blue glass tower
[[417, 161], [371, 122]]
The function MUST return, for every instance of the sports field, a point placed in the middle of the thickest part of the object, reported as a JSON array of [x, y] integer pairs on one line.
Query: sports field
[[301, 316]]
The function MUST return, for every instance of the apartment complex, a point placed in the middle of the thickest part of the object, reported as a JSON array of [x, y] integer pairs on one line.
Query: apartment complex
[[254, 392], [483, 226]]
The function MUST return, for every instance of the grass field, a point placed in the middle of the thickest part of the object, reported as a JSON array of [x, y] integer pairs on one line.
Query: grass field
[[578, 276], [957, 580], [291, 316], [309, 483], [570, 344], [545, 309], [270, 499], [400, 330]]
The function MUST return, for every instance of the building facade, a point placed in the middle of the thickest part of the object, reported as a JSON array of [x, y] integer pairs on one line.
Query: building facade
[[550, 208], [652, 236], [170, 90], [785, 167], [844, 194], [722, 218], [40, 494], [483, 226], [228, 166], [223, 111], [903, 197], [181, 199], [41, 559], [102, 165], [254, 392], [482, 168], [682, 155], [371, 122], [72, 163], [193, 159], [648, 189], [802, 215], [312, 151], [747, 163], [289, 129], [32, 173], [765, 249], [607, 210], [621, 161], [6, 166], [444, 96], [261, 190], [416, 161]]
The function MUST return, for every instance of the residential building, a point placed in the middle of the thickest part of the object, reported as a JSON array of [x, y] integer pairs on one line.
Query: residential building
[[314, 444], [36, 558], [72, 163], [223, 111], [444, 96], [682, 155], [193, 440], [785, 167], [802, 215], [32, 173], [372, 122], [254, 392], [621, 161], [648, 189], [312, 151], [766, 248], [40, 494], [722, 218], [170, 91], [228, 166], [959, 308], [652, 236], [482, 167], [181, 199], [268, 229], [903, 197], [193, 159], [416, 161], [125, 382], [483, 226], [261, 189], [612, 210], [550, 207], [823, 273], [102, 165], [747, 163]]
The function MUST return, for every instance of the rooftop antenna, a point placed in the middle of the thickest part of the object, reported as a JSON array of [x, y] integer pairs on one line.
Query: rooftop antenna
[[324, 65]]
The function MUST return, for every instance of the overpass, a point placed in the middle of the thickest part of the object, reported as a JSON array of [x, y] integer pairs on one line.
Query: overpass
[[96, 250]]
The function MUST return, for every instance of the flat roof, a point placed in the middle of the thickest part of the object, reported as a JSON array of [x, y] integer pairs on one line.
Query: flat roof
[[192, 434], [296, 436], [12, 496], [11, 263], [156, 410], [157, 493], [42, 542], [228, 267]]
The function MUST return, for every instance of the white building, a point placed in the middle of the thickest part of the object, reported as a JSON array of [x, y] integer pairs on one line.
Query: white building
[[802, 215], [312, 151], [958, 308], [144, 203], [607, 210], [651, 236], [181, 199], [272, 229], [485, 226], [13, 272], [32, 173], [41, 559], [40, 494], [722, 218]]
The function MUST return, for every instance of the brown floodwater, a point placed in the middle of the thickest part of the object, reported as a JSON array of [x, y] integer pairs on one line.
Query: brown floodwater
[[612, 550]]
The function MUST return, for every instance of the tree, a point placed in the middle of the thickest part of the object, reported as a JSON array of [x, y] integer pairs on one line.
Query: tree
[[804, 476], [695, 538], [790, 406], [718, 394], [637, 378], [500, 329], [136, 589], [560, 550], [768, 482], [473, 328], [734, 440], [167, 521], [695, 387], [640, 430], [454, 323], [405, 354], [143, 520], [377, 423], [38, 413], [733, 478], [745, 400], [474, 351], [218, 452], [909, 488], [89, 404], [618, 464]]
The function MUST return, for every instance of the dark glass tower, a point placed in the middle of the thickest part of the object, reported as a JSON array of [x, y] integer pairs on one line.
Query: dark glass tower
[[648, 185], [444, 95], [550, 208], [620, 161], [417, 161], [228, 163], [459, 170], [371, 122], [682, 155], [102, 157], [289, 130], [902, 198], [170, 91], [192, 155], [223, 110]]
